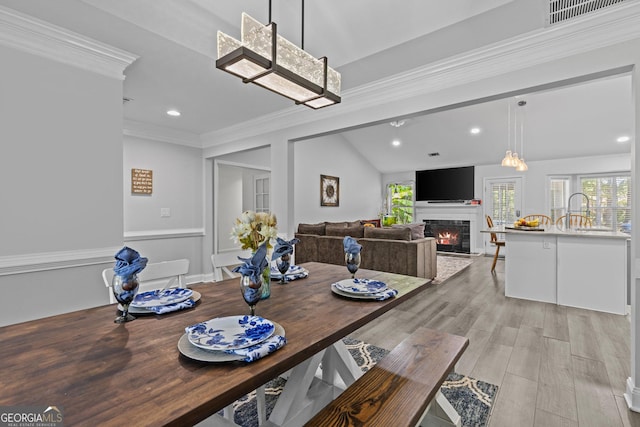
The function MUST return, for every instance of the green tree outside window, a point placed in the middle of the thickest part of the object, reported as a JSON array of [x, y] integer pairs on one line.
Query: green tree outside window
[[400, 198]]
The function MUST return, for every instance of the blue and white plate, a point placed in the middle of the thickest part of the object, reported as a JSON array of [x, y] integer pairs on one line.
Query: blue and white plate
[[361, 286], [161, 297], [195, 297], [378, 296], [196, 353], [294, 272], [230, 333]]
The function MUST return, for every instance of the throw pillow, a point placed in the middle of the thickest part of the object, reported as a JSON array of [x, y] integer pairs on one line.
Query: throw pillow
[[388, 233], [317, 229], [417, 229], [373, 222]]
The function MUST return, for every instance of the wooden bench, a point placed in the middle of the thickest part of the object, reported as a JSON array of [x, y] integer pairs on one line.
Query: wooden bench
[[159, 275], [400, 389]]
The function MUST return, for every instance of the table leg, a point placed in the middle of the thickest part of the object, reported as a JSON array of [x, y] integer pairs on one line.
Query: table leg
[[313, 384]]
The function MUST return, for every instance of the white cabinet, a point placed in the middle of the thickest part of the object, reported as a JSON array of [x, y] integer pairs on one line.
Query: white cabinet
[[583, 270], [592, 273], [530, 267]]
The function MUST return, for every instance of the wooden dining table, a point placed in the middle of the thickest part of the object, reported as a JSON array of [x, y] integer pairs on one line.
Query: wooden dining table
[[107, 374]]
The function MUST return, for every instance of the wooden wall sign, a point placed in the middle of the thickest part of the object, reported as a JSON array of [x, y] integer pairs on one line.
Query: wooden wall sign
[[141, 181]]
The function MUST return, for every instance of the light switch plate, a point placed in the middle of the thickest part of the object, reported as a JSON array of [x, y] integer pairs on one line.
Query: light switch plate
[[165, 212]]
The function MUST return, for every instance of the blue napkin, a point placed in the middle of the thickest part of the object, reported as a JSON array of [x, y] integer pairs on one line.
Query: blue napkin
[[283, 247], [260, 350], [389, 293], [253, 266], [128, 263], [162, 309], [351, 246]]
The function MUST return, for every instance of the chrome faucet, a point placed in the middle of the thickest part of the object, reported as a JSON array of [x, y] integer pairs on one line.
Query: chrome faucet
[[567, 219]]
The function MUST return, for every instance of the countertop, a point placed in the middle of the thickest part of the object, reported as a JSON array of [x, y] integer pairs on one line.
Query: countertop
[[555, 231]]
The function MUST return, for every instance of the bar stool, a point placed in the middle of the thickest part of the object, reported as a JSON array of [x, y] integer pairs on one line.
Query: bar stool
[[498, 243]]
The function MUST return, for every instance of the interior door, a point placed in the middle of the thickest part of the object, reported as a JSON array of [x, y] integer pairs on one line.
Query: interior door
[[503, 202]]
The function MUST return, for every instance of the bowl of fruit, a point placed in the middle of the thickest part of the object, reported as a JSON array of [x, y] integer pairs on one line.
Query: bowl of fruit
[[523, 223]]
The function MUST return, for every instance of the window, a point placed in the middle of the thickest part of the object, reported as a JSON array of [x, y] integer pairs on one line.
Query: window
[[400, 199], [261, 193], [502, 204], [559, 194], [609, 199]]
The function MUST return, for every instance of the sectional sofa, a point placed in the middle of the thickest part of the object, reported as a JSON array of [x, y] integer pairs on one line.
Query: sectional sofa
[[401, 249]]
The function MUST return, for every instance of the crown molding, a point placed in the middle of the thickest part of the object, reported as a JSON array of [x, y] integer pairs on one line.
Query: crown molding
[[28, 263], [157, 133], [31, 35], [608, 27]]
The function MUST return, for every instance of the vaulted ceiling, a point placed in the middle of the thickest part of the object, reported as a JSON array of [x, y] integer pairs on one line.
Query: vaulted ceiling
[[366, 40]]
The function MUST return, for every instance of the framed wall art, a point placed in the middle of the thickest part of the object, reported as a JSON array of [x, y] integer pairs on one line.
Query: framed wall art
[[329, 190]]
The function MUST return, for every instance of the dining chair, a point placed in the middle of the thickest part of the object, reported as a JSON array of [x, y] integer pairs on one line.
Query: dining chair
[[542, 218], [575, 220], [221, 263], [497, 242], [158, 275]]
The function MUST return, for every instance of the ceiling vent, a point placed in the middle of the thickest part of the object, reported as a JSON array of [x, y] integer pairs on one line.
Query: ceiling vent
[[563, 10]]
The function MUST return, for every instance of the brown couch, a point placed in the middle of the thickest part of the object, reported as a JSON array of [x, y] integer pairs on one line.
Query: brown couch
[[401, 249]]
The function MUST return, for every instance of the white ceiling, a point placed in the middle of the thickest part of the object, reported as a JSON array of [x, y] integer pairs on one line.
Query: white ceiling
[[177, 47], [567, 122]]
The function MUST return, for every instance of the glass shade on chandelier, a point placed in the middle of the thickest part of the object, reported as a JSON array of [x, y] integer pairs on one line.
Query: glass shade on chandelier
[[266, 59], [512, 159]]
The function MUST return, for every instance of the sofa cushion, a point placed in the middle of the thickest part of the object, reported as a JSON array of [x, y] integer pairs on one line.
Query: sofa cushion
[[356, 231], [403, 233], [417, 229], [317, 229]]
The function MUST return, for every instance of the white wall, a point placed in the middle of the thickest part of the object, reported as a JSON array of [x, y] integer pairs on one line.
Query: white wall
[[360, 183], [535, 186], [178, 186], [535, 180], [61, 191]]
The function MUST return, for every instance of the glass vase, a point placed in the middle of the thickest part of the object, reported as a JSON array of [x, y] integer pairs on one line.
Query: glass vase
[[266, 282]]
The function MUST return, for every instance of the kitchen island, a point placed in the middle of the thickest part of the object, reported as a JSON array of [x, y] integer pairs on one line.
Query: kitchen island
[[584, 268]]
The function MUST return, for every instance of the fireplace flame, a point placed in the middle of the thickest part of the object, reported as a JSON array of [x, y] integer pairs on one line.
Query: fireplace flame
[[447, 238]]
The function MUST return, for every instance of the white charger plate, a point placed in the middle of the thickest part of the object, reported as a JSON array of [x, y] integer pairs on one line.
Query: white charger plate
[[196, 353], [142, 310], [230, 333], [161, 297], [373, 296], [361, 286]]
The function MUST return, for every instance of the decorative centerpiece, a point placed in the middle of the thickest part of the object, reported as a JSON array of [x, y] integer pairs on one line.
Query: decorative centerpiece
[[125, 280], [250, 231], [251, 282], [283, 251], [352, 254]]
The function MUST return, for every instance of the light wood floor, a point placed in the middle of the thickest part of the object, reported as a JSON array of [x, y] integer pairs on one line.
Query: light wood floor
[[555, 366]]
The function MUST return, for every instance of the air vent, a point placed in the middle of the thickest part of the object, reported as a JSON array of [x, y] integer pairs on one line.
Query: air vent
[[563, 10], [436, 154]]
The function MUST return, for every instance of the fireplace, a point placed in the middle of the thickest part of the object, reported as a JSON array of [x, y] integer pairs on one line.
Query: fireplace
[[451, 235]]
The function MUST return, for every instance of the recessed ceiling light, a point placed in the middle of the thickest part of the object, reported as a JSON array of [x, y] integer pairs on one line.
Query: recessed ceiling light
[[395, 142], [174, 113], [475, 131], [623, 138]]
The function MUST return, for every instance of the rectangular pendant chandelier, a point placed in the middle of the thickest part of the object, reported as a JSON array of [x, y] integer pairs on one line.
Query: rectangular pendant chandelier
[[266, 59]]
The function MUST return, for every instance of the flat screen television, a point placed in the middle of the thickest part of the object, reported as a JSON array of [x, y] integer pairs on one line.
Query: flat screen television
[[445, 185]]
